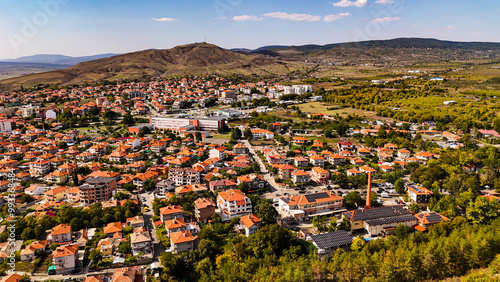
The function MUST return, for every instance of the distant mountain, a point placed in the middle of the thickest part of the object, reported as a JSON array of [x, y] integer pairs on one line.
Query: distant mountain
[[57, 59], [418, 43], [198, 58], [11, 69], [203, 58]]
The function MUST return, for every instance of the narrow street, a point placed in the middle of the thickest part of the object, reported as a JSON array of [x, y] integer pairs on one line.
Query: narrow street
[[157, 247], [273, 186]]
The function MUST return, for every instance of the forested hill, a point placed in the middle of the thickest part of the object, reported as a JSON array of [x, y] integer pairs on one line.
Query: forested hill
[[397, 43]]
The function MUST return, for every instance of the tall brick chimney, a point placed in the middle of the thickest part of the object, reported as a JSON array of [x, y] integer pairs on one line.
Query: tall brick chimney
[[369, 192]]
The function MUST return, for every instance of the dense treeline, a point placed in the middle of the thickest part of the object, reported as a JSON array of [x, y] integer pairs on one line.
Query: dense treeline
[[31, 227], [449, 249], [422, 104]]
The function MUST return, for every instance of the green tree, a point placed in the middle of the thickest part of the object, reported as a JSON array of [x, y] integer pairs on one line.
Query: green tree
[[357, 244], [319, 222], [247, 133], [125, 248], [345, 224], [353, 199], [128, 119], [266, 212], [402, 231], [399, 186], [414, 208], [130, 187], [75, 177], [482, 210], [62, 145], [198, 136]]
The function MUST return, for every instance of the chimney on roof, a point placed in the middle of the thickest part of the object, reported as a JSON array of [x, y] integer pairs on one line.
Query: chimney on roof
[[369, 192]]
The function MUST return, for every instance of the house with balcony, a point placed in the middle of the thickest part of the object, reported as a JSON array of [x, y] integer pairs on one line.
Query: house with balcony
[[57, 177], [171, 212], [132, 157], [251, 224], [301, 161], [65, 258], [60, 234], [317, 160], [136, 221], [240, 149], [175, 225], [204, 208], [141, 178], [56, 194], [140, 241], [300, 177], [233, 203], [320, 175], [183, 241], [254, 181], [73, 195], [285, 171]]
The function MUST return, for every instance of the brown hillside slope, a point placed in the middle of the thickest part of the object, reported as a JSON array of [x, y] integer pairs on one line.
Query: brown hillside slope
[[198, 58]]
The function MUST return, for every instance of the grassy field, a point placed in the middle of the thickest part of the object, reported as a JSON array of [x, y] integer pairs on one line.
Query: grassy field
[[320, 107], [222, 136]]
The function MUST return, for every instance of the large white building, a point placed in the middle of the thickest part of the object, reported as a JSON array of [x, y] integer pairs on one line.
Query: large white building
[[259, 133], [6, 125], [297, 89], [233, 203], [184, 124]]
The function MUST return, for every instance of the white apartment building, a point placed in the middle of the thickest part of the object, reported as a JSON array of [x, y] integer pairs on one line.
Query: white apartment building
[[184, 176], [233, 203]]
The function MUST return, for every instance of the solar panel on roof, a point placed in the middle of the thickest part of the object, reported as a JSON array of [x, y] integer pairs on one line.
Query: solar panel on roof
[[311, 198], [434, 217], [332, 239]]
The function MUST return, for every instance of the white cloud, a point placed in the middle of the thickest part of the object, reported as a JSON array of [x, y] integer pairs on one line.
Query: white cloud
[[246, 18], [386, 19], [347, 3], [163, 19], [293, 17], [384, 2], [331, 18]]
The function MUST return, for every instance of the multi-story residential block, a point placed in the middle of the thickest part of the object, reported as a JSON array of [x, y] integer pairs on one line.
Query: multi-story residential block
[[300, 206], [254, 182], [39, 168], [97, 189], [419, 194], [184, 176], [140, 241], [233, 203]]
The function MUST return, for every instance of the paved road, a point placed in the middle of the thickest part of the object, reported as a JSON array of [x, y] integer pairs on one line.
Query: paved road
[[273, 186], [157, 248]]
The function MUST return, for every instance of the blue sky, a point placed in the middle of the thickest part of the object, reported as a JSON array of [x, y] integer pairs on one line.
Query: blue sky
[[88, 27]]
